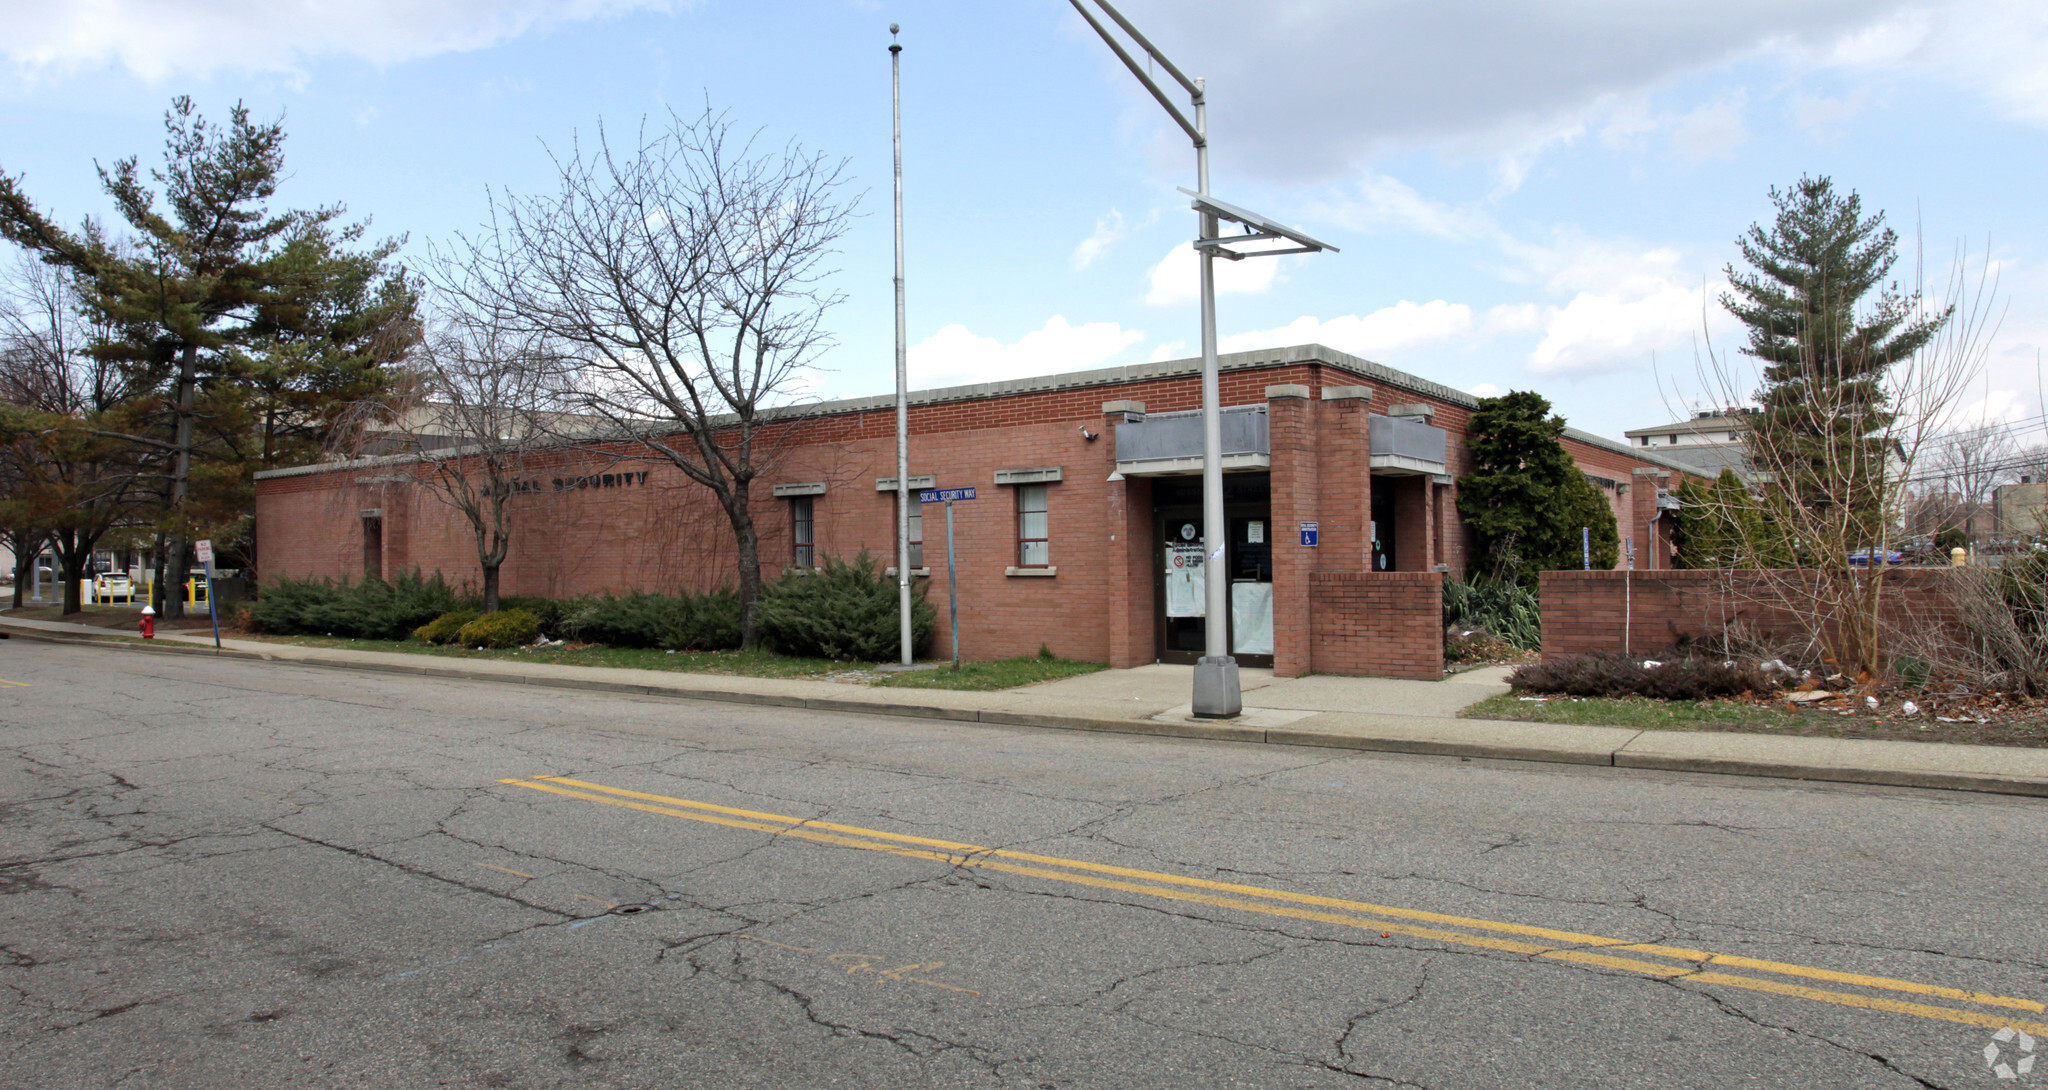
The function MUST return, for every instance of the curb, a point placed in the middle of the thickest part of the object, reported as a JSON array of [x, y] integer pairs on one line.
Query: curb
[[1220, 732]]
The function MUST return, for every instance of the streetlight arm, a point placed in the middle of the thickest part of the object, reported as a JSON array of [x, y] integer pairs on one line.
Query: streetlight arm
[[1145, 43], [1145, 78]]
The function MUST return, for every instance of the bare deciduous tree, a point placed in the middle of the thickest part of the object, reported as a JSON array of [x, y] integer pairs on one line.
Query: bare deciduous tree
[[685, 275], [477, 404]]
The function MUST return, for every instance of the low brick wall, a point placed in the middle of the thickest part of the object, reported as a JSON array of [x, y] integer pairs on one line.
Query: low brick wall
[[1377, 624], [1646, 612]]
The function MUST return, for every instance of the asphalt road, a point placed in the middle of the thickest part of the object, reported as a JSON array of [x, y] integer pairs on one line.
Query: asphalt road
[[219, 873]]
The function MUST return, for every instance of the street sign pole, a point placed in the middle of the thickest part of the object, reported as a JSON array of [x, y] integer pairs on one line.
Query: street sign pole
[[205, 548], [952, 590], [902, 368], [949, 496]]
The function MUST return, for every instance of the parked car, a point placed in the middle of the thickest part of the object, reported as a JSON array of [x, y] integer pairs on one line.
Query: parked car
[[1863, 557], [107, 586]]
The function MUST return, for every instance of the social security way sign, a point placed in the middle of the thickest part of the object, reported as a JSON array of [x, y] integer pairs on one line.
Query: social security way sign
[[945, 495]]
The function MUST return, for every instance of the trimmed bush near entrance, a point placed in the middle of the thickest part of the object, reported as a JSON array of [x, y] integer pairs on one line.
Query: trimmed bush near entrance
[[372, 609], [664, 622], [505, 628], [446, 627], [843, 610]]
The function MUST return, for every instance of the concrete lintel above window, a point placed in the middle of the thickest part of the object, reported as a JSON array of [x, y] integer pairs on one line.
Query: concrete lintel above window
[[1032, 573], [1443, 478], [1126, 406], [1426, 412], [806, 488], [1192, 465], [917, 481], [1347, 393], [372, 512], [1040, 475]]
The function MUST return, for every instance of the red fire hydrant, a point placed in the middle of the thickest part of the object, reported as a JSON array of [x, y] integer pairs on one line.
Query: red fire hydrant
[[148, 623]]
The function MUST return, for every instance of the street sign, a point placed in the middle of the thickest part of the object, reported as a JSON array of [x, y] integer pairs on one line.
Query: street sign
[[945, 495], [203, 548], [1309, 532]]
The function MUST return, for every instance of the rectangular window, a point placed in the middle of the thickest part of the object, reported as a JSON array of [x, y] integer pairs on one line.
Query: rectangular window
[[803, 532], [917, 537], [1034, 545]]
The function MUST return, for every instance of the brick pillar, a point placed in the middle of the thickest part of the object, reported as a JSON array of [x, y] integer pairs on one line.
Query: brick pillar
[[1343, 497], [1130, 550], [1291, 424]]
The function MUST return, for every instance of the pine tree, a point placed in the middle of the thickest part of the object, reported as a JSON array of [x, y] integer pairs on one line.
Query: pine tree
[[246, 328], [1526, 500], [1825, 343]]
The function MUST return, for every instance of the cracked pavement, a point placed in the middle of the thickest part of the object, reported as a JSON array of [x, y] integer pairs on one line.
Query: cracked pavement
[[224, 873]]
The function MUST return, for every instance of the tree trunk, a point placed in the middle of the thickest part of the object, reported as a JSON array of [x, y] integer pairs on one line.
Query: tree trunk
[[71, 563], [180, 558], [490, 587], [749, 541]]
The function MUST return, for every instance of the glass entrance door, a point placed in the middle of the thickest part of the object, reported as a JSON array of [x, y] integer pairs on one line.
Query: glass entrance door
[[1181, 573]]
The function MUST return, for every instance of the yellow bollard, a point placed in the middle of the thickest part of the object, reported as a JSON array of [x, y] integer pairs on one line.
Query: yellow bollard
[[1958, 556]]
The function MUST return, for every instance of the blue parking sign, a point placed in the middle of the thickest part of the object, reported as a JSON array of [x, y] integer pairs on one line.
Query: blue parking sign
[[1309, 532]]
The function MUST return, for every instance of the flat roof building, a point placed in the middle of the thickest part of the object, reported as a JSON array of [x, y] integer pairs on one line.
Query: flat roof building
[[1340, 497]]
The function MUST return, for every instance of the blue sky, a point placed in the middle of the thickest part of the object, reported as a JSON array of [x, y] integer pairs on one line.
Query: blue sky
[[1532, 196]]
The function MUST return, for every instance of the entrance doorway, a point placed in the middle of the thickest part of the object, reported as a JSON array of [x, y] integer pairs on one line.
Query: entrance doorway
[[1180, 571]]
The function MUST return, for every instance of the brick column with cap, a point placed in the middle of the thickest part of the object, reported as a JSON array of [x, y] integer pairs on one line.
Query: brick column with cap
[[1291, 425], [1129, 523]]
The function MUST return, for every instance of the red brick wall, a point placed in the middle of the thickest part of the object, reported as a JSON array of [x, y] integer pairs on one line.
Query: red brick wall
[[663, 532], [1649, 613], [1378, 624]]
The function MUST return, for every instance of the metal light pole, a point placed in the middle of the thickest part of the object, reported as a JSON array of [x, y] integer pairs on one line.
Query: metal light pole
[[902, 364], [1217, 694]]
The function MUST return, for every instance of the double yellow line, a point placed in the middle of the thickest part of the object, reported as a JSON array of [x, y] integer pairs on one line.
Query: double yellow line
[[1647, 959]]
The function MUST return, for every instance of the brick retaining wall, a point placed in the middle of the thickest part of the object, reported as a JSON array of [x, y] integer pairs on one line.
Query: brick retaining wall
[[1584, 611], [1378, 624]]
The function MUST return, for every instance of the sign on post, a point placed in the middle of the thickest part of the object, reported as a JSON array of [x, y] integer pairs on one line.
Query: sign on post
[[204, 548], [1309, 532], [949, 497]]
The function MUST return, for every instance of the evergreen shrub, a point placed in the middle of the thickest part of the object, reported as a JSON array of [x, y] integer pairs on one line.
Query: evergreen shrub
[[669, 622], [505, 628], [843, 610], [446, 627], [372, 609]]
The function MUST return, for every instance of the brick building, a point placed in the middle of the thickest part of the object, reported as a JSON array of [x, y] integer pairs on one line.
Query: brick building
[[1340, 498]]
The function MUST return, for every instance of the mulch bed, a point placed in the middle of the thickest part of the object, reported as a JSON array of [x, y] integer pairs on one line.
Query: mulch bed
[[1985, 720]]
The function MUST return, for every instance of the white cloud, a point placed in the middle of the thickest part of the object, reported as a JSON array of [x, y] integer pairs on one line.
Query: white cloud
[[157, 39], [1167, 350], [1388, 329], [1108, 232], [955, 356], [1177, 279], [1997, 48], [1606, 331], [1312, 87], [1378, 200], [1484, 389], [1712, 131]]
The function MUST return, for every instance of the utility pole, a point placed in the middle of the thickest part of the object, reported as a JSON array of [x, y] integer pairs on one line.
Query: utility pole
[[1217, 694], [902, 363]]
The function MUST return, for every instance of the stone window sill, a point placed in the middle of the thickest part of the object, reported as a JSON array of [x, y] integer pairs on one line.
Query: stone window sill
[[915, 573], [1032, 573]]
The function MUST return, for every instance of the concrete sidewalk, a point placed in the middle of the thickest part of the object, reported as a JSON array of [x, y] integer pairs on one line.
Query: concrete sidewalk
[[1347, 713]]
